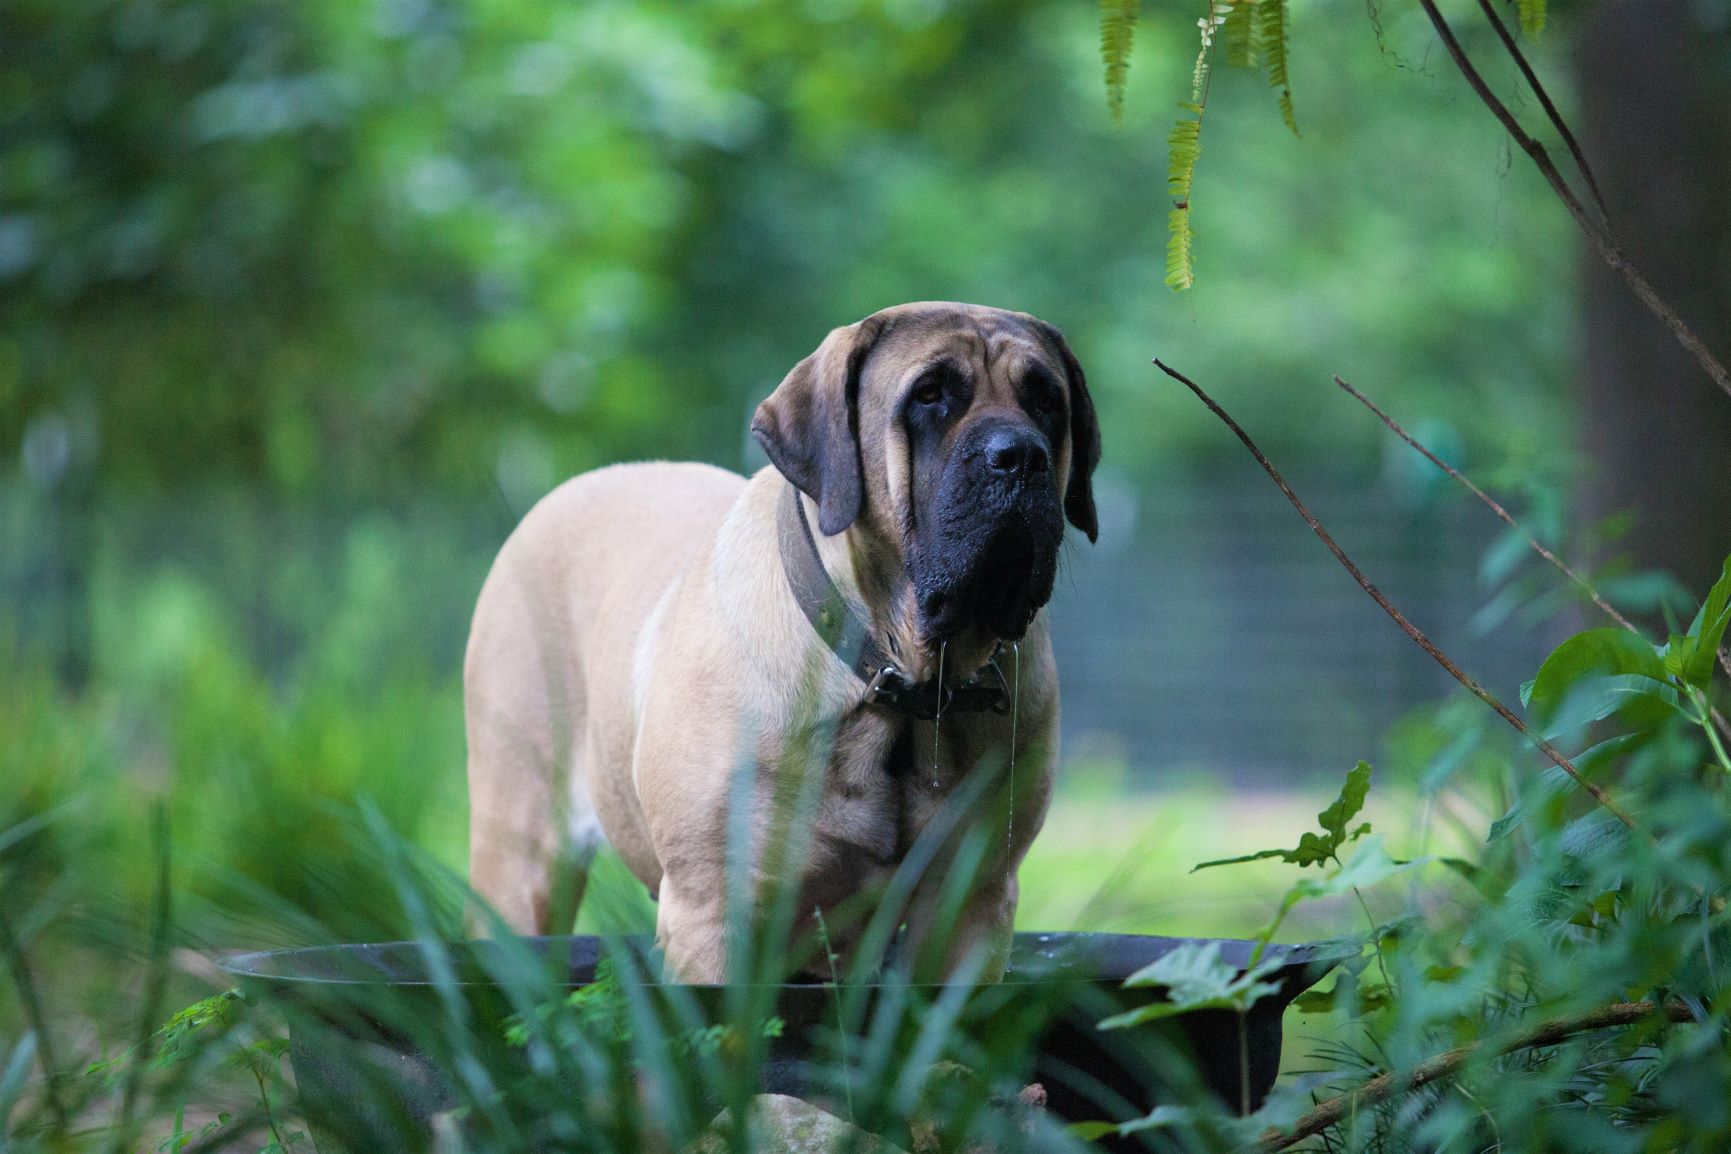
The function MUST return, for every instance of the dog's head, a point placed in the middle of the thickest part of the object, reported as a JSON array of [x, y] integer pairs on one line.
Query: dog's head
[[957, 439]]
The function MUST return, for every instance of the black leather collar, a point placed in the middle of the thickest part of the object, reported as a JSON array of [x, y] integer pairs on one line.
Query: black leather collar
[[851, 640]]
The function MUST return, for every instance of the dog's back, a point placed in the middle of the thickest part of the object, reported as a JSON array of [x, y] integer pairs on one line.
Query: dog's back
[[547, 676]]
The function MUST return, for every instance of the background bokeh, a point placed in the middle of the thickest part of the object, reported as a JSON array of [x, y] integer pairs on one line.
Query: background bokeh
[[303, 305]]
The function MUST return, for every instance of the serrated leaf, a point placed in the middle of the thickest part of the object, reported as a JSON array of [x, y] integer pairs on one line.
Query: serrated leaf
[[1195, 977], [1347, 805], [1117, 37], [1314, 849]]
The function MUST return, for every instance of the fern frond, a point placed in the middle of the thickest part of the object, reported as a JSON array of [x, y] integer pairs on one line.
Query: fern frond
[[1185, 149], [1532, 16], [1180, 269], [1271, 31], [1184, 146], [1117, 34], [1240, 32]]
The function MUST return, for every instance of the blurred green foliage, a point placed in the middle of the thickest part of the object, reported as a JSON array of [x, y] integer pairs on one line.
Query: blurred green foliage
[[260, 260], [357, 250]]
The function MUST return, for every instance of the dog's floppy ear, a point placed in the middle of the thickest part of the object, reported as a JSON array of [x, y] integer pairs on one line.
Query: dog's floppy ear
[[1084, 442], [810, 425]]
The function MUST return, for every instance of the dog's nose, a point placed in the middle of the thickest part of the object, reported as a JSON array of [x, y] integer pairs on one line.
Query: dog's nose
[[1016, 452]]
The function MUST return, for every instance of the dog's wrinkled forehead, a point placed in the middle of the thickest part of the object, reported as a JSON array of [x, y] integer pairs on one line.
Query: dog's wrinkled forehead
[[987, 344]]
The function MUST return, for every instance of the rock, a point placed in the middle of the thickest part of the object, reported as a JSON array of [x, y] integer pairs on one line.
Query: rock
[[780, 1124]]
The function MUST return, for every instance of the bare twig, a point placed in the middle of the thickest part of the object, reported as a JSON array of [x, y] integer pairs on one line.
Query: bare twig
[[1491, 503], [1597, 233], [1719, 719], [1555, 117], [1333, 1110], [1407, 627]]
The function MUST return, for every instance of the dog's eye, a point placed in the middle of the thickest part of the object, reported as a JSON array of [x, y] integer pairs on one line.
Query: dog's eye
[[930, 390]]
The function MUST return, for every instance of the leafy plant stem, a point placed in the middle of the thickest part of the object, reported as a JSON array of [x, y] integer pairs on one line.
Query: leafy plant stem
[[1417, 635], [1334, 1110], [840, 1026], [1598, 234], [264, 1100], [1381, 966], [1709, 726]]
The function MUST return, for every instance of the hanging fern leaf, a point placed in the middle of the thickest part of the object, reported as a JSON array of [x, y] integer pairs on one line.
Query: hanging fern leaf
[[1185, 149], [1271, 30], [1117, 33], [1240, 31], [1532, 16], [1185, 143], [1180, 270]]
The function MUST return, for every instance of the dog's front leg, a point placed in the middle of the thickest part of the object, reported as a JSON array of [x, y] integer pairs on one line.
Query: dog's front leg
[[692, 932]]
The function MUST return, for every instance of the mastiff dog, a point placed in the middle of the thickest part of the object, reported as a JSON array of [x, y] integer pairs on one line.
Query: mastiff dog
[[653, 635]]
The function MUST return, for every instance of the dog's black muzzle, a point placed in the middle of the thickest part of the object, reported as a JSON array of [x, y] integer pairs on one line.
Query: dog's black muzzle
[[986, 543]]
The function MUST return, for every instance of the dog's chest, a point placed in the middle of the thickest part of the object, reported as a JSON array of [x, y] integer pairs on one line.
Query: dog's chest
[[887, 780]]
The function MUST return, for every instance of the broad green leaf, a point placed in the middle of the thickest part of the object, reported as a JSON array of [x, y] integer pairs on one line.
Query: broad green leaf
[[1196, 977], [1597, 652], [1641, 699], [1707, 632]]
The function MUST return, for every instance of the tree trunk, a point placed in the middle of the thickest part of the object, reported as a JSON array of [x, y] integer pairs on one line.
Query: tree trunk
[[1655, 86]]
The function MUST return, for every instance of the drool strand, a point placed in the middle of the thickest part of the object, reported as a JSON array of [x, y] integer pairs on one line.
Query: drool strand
[[938, 721], [1015, 704]]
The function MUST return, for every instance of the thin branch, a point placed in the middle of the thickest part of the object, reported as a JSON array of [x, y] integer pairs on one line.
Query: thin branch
[[1332, 1110], [1407, 627], [1719, 720], [1490, 502], [1555, 117], [1595, 232]]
